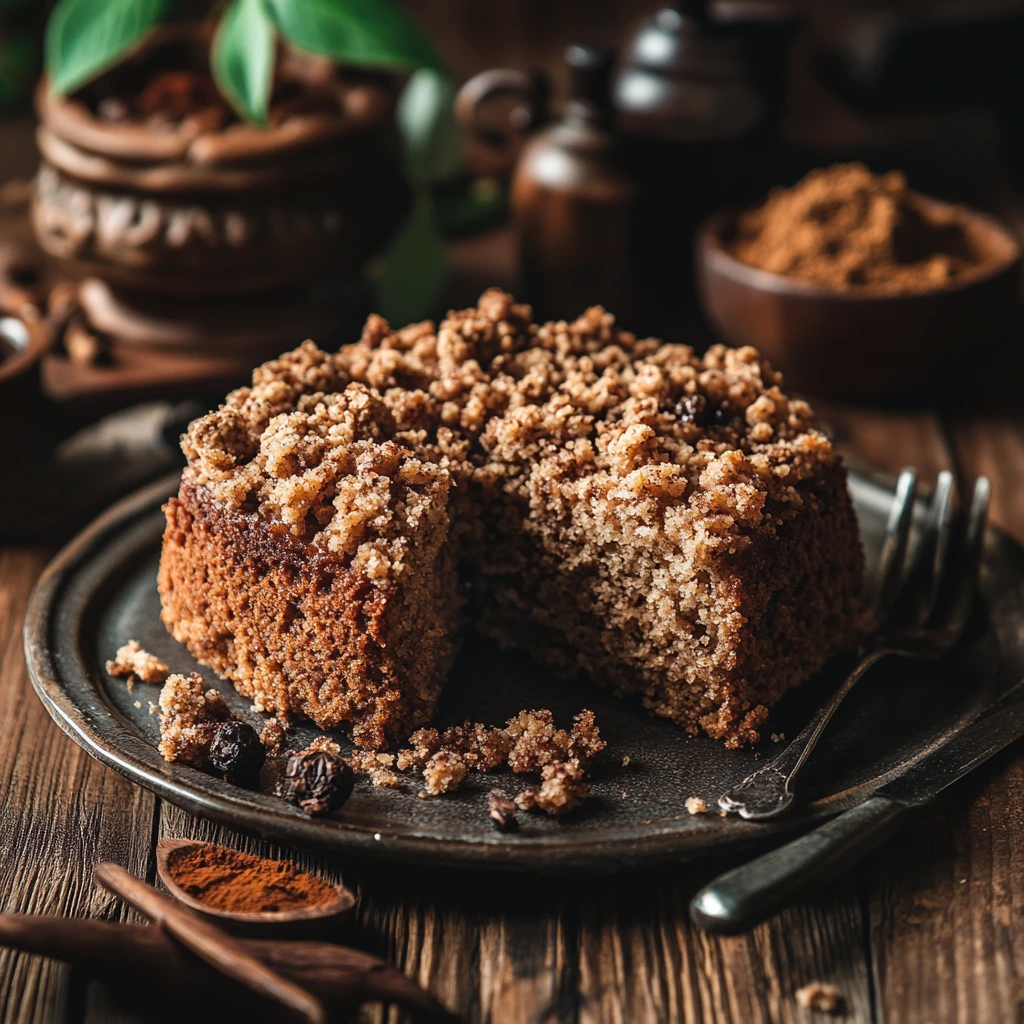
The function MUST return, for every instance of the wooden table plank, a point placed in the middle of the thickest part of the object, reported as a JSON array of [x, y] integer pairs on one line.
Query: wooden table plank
[[60, 813], [943, 893], [949, 889], [946, 900], [995, 447], [925, 930], [617, 949]]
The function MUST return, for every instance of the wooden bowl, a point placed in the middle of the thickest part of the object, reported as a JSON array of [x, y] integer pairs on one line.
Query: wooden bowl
[[303, 922], [861, 345]]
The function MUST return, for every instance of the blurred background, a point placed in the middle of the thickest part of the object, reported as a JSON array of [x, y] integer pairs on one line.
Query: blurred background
[[161, 232]]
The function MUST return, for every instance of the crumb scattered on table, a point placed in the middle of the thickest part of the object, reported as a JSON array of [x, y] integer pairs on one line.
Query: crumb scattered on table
[[625, 761], [820, 996], [135, 663], [695, 805], [778, 737]]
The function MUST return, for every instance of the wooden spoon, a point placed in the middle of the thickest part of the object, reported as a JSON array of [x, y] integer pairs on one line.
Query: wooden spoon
[[302, 920]]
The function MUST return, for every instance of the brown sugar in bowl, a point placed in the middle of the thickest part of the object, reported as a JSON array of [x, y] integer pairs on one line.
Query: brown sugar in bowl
[[862, 344]]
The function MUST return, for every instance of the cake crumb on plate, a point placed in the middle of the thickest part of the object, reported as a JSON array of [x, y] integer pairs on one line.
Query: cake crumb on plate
[[135, 663], [272, 736], [562, 790], [376, 767], [189, 716], [444, 772], [502, 811]]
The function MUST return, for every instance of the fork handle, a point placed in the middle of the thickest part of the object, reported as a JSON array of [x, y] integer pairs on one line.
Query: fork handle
[[747, 895]]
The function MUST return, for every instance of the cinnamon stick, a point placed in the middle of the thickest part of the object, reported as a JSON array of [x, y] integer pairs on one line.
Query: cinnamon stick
[[207, 941], [340, 977]]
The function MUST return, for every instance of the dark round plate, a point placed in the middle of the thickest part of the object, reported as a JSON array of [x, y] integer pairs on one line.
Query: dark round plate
[[100, 591]]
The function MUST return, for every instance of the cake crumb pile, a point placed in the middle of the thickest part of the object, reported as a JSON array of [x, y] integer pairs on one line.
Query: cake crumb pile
[[529, 742]]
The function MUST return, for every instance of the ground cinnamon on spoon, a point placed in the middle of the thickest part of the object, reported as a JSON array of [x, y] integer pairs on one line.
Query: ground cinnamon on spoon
[[846, 228], [242, 883]]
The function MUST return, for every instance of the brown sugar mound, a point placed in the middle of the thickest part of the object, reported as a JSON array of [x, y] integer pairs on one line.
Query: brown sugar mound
[[672, 525], [846, 228]]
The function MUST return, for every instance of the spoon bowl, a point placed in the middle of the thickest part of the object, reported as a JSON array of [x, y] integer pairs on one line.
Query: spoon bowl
[[304, 921]]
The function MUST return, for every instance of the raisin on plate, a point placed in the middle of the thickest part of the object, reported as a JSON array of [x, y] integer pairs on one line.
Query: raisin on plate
[[317, 782], [237, 753]]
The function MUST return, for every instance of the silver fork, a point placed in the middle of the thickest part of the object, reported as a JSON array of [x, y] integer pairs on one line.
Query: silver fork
[[922, 610]]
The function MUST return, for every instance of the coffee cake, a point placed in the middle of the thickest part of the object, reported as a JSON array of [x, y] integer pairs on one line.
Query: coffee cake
[[672, 525]]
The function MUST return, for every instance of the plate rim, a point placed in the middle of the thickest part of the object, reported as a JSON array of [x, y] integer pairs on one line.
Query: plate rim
[[140, 762]]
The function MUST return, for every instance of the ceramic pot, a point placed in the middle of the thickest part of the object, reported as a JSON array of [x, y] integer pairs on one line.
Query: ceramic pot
[[572, 200], [205, 204]]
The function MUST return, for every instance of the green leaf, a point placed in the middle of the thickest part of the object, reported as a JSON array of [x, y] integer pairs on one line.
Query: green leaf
[[426, 119], [242, 58], [85, 37], [414, 269], [368, 32]]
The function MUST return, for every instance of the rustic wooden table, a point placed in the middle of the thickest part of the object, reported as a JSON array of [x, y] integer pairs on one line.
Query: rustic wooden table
[[925, 931]]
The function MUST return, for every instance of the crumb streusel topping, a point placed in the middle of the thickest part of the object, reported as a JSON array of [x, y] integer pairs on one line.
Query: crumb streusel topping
[[582, 406]]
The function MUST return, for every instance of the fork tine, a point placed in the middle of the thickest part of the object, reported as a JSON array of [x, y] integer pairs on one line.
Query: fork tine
[[969, 559], [893, 557], [936, 544]]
